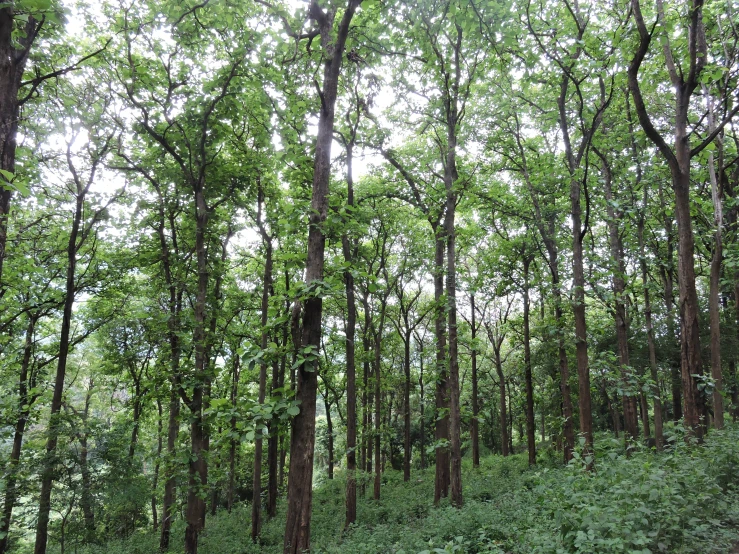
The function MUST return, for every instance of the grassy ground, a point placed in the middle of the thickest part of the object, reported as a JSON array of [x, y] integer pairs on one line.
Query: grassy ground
[[685, 500]]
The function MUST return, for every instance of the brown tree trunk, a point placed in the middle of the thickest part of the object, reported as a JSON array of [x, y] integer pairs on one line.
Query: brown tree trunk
[[273, 450], [407, 406], [14, 51], [377, 369], [330, 430], [631, 423], [715, 287], [530, 423], [678, 159], [256, 505], [157, 465], [234, 441], [174, 306], [441, 482], [256, 512], [300, 479], [351, 378], [198, 464], [474, 427], [503, 411], [24, 406], [422, 403], [47, 474]]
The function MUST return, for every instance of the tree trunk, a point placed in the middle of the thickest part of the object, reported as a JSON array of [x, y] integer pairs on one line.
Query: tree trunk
[[407, 406], [272, 450], [300, 480], [503, 411], [157, 464], [441, 482], [47, 474], [678, 159], [422, 402], [714, 293], [12, 65], [530, 423], [256, 505], [378, 404], [198, 465], [474, 427], [24, 402], [234, 442], [618, 270], [330, 430], [351, 378]]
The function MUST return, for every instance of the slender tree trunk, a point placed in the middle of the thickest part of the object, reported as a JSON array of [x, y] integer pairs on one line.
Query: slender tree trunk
[[474, 427], [366, 398], [378, 403], [300, 480], [330, 429], [441, 482], [714, 293], [351, 378], [14, 51], [198, 465], [407, 406], [273, 450], [256, 505], [234, 441], [503, 411], [157, 464], [11, 485], [678, 159], [47, 474], [422, 402], [530, 423], [631, 423], [564, 373], [86, 502]]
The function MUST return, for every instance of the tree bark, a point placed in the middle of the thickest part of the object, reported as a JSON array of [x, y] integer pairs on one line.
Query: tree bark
[[618, 270], [407, 405], [442, 477], [503, 411], [351, 378], [256, 505], [198, 464], [530, 423], [300, 480], [14, 52], [24, 406], [475, 425], [47, 474], [678, 159]]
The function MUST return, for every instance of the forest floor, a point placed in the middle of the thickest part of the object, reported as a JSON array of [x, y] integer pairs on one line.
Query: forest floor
[[684, 500]]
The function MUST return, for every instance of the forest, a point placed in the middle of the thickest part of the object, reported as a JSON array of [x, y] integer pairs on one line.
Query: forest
[[369, 276]]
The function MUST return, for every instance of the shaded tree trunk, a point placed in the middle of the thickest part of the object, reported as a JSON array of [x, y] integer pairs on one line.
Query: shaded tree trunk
[[24, 406], [300, 480], [530, 423], [442, 477], [351, 378], [629, 397], [47, 473], [474, 427]]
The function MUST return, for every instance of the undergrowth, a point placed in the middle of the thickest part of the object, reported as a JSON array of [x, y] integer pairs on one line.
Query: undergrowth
[[684, 500]]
